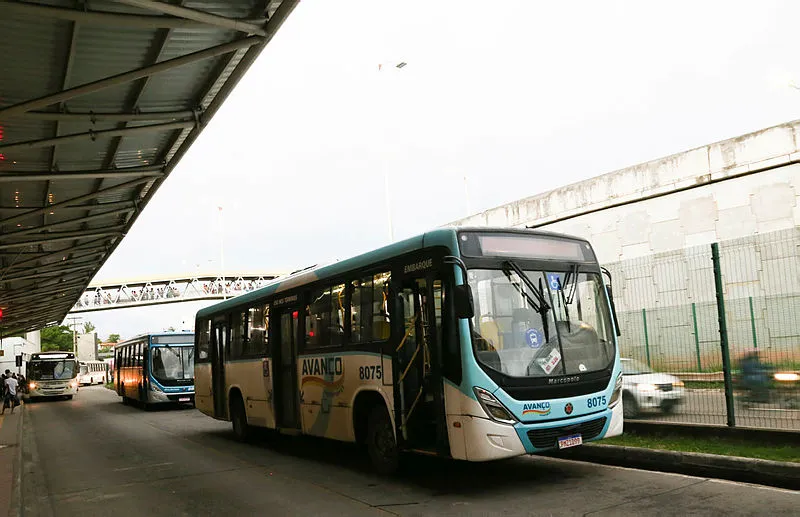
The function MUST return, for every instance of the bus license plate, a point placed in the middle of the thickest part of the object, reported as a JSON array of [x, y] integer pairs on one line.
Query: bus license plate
[[570, 441], [184, 399]]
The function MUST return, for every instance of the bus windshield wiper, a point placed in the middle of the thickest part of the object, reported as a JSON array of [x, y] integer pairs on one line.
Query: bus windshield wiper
[[572, 274], [540, 305]]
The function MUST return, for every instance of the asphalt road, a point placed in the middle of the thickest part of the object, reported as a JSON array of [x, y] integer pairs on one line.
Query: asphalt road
[[94, 456], [707, 406]]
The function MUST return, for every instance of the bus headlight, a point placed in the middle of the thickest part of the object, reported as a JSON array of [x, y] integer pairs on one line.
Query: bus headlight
[[74, 385], [615, 396], [493, 407], [787, 377], [32, 386], [155, 388]]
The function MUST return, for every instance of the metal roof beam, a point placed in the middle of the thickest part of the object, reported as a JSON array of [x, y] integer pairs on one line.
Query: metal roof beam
[[75, 200], [45, 274], [126, 77], [56, 116], [106, 19], [111, 204], [37, 229], [117, 231], [130, 172], [94, 135], [198, 16], [73, 256], [35, 291]]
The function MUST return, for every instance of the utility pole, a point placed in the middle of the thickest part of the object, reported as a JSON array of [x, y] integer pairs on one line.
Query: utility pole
[[75, 320]]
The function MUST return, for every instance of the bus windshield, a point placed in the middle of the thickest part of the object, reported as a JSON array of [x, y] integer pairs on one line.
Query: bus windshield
[[533, 323], [52, 370], [173, 365]]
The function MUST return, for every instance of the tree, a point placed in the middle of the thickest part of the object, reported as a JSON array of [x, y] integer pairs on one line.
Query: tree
[[88, 327], [57, 337], [113, 338]]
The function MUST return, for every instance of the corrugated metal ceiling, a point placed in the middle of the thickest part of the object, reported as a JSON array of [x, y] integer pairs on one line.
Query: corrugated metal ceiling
[[98, 102]]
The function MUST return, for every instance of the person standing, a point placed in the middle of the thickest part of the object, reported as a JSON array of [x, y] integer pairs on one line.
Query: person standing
[[10, 392]]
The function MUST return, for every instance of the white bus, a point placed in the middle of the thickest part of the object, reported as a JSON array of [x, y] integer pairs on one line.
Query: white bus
[[52, 374], [93, 372]]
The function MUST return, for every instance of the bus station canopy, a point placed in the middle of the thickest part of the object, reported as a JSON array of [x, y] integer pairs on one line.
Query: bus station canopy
[[98, 103]]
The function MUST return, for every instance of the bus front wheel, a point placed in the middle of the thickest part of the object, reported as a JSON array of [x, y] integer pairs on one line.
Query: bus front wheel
[[381, 442]]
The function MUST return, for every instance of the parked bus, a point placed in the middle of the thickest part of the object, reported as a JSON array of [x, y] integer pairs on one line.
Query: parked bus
[[155, 369], [52, 374], [92, 372], [475, 344]]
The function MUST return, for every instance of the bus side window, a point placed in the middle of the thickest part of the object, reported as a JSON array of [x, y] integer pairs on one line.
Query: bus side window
[[380, 307], [238, 332], [203, 340], [258, 332]]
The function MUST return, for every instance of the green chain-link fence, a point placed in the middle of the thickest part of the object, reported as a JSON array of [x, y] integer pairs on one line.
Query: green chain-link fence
[[668, 314]]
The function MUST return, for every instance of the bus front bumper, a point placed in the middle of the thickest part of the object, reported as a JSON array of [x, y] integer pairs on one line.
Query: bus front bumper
[[37, 389], [486, 440]]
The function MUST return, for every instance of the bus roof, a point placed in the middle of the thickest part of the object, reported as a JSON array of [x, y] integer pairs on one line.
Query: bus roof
[[447, 236], [154, 334]]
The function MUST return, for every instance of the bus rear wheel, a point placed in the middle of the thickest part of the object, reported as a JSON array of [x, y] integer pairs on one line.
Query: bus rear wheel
[[241, 429], [381, 442]]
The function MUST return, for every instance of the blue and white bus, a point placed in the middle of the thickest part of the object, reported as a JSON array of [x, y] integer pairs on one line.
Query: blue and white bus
[[475, 344], [155, 369]]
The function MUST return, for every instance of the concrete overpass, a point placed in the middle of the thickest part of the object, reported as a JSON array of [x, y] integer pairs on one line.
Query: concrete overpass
[[157, 291]]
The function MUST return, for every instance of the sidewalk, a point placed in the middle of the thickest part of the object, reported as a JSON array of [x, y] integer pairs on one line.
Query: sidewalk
[[10, 453], [748, 470]]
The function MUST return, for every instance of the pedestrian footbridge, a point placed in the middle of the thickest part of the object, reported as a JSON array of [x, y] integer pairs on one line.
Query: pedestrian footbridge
[[157, 291]]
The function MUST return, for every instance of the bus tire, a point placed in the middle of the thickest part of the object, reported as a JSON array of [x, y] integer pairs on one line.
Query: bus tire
[[241, 429], [381, 442], [125, 400]]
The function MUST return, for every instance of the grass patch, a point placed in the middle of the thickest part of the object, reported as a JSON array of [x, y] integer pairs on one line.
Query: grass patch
[[711, 445], [705, 385], [110, 386]]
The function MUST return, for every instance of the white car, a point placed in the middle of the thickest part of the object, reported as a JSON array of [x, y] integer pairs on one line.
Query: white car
[[643, 388]]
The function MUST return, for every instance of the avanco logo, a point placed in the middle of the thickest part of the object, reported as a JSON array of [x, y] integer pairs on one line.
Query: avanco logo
[[537, 408]]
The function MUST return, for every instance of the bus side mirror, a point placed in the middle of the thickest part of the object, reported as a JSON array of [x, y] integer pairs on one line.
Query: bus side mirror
[[463, 301]]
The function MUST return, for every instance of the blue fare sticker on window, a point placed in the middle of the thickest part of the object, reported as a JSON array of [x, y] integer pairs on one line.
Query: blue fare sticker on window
[[555, 281], [534, 338]]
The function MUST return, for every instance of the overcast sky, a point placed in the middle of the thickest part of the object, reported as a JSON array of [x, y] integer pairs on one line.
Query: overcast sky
[[518, 97]]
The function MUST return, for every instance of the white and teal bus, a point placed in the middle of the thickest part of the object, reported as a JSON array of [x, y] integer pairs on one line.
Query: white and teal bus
[[475, 344]]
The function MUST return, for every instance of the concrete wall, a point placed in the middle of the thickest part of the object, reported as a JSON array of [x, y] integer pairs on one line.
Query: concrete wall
[[13, 346], [707, 194], [652, 225], [87, 347]]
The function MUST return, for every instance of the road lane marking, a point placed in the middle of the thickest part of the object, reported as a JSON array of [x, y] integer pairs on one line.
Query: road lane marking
[[143, 466]]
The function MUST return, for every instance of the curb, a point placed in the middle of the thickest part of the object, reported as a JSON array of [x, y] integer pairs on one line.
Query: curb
[[15, 508], [749, 470]]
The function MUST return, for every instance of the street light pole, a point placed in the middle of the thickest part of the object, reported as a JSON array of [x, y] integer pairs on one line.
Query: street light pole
[[387, 191]]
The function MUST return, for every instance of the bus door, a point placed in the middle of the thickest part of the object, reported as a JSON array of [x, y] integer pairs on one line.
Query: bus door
[[284, 369], [419, 401], [219, 344]]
